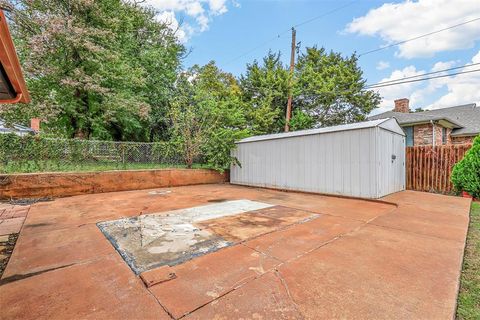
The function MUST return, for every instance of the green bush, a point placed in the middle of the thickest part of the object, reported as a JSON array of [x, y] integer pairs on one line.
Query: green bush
[[466, 173]]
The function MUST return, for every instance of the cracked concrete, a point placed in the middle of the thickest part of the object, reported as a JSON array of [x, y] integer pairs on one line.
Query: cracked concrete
[[354, 259], [169, 238]]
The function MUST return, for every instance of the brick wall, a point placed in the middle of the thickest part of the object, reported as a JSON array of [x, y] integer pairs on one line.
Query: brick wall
[[423, 135], [461, 140]]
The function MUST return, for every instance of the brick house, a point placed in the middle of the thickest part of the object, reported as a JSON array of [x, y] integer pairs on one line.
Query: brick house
[[453, 125]]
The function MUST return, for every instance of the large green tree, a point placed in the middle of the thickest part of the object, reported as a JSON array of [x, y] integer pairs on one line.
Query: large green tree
[[331, 88], [207, 115], [265, 91], [327, 89], [96, 69]]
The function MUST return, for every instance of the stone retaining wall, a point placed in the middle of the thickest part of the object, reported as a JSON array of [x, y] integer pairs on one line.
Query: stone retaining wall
[[62, 184]]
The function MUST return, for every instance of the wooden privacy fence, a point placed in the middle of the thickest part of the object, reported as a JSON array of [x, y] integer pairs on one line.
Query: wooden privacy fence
[[429, 168]]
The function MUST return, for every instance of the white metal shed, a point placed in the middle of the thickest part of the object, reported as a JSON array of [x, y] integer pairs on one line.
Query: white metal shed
[[365, 159]]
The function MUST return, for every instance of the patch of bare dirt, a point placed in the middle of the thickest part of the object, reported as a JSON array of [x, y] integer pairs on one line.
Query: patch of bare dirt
[[6, 249]]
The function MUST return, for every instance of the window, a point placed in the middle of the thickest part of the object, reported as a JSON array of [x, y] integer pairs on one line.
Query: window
[[409, 135], [444, 135]]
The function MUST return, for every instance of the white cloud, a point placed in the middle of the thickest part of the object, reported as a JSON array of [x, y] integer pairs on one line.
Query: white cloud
[[395, 22], [461, 89], [382, 65], [456, 90], [201, 12], [182, 32], [217, 7], [407, 90]]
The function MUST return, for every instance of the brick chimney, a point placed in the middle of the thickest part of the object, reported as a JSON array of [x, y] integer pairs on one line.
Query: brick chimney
[[35, 124], [402, 105]]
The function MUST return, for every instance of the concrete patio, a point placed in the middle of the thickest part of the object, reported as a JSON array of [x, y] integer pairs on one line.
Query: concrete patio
[[306, 256]]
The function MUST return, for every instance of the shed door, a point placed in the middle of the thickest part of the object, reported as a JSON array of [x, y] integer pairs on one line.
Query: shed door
[[397, 163]]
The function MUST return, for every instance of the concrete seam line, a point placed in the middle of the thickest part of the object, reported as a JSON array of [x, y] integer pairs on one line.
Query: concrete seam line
[[416, 233], [158, 301], [231, 290], [21, 276]]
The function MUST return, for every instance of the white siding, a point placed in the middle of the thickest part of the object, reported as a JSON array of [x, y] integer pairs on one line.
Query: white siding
[[354, 162]]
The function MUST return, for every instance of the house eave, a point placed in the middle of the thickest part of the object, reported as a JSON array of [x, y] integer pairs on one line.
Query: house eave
[[466, 134], [445, 122], [12, 77]]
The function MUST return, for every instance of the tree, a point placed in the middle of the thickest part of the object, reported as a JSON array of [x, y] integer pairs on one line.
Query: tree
[[207, 115], [265, 91], [96, 69], [331, 88]]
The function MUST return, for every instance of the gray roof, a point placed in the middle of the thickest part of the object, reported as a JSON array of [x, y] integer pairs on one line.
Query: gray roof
[[384, 123], [14, 128], [465, 118]]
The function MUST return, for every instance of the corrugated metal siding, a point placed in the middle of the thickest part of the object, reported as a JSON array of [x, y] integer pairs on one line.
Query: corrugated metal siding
[[342, 163], [392, 177]]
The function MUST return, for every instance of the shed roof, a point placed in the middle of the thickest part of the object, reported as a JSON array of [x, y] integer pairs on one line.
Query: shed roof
[[389, 124]]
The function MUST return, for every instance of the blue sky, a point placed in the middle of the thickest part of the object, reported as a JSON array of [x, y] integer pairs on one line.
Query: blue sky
[[223, 30]]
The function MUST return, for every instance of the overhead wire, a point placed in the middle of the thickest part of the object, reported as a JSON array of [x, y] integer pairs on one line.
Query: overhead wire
[[400, 81], [374, 86], [418, 37], [279, 35], [429, 73]]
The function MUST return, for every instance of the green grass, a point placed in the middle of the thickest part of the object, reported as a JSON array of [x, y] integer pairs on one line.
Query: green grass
[[469, 295], [51, 166]]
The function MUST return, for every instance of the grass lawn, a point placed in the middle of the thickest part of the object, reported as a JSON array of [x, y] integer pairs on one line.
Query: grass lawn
[[469, 296], [51, 166]]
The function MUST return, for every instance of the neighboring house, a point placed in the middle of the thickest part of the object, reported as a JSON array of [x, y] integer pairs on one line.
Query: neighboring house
[[453, 125], [20, 130]]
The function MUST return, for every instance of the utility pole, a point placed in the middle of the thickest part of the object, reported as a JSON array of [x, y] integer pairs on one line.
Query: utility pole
[[292, 68]]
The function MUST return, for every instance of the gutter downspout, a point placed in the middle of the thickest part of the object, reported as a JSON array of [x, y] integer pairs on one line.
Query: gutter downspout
[[433, 132]]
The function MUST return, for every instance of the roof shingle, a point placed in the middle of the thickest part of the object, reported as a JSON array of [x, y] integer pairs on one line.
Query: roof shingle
[[466, 117]]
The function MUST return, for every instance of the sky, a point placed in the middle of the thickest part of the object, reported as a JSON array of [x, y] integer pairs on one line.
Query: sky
[[236, 32]]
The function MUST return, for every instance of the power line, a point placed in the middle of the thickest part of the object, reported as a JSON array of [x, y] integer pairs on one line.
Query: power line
[[429, 73], [397, 82], [324, 14], [288, 30], [374, 86], [418, 37], [252, 50]]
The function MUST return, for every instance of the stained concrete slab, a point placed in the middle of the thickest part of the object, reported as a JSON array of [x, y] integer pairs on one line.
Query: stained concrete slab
[[251, 224], [101, 289], [294, 242], [202, 280], [347, 263], [271, 301], [169, 238], [377, 272], [49, 250]]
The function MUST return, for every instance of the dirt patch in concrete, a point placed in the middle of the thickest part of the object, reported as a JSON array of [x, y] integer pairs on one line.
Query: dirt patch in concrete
[[7, 243], [169, 238]]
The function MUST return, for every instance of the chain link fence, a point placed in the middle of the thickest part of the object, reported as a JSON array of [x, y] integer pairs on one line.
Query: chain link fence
[[38, 154]]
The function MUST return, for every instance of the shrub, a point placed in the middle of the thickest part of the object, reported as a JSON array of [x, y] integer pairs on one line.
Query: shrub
[[466, 173]]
